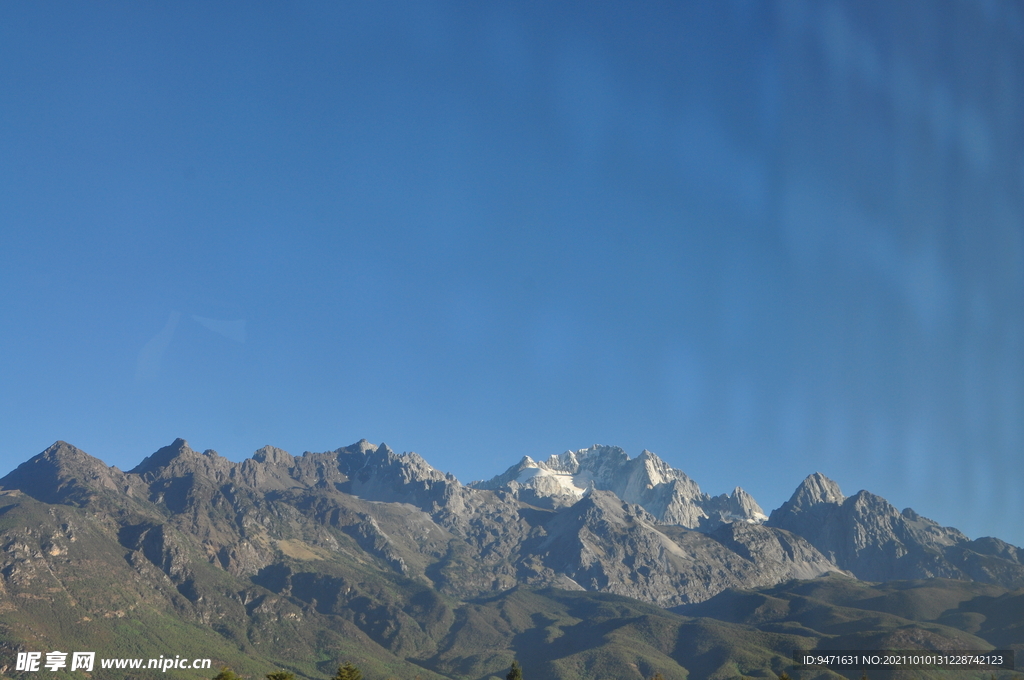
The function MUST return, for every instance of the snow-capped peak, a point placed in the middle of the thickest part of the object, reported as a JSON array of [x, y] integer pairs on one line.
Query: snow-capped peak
[[667, 493]]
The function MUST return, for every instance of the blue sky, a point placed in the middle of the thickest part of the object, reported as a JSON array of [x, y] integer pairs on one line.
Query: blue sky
[[757, 239]]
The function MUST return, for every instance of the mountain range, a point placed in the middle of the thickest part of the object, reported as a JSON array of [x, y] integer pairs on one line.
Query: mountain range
[[587, 564]]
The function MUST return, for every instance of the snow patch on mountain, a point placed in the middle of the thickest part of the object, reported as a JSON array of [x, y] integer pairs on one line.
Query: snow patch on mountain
[[648, 481], [528, 477]]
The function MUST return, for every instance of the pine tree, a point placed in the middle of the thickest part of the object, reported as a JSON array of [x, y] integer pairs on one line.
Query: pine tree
[[515, 673], [348, 672], [226, 674], [281, 675], [784, 676]]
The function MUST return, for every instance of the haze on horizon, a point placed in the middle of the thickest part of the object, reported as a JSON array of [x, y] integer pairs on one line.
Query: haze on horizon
[[757, 239]]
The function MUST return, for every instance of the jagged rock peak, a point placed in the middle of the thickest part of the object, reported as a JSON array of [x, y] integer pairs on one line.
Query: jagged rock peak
[[412, 466], [910, 514], [746, 502], [61, 448], [598, 452], [63, 473], [179, 460], [619, 509], [362, 446], [739, 506], [62, 454], [596, 462], [815, 489], [163, 457], [273, 455], [60, 458]]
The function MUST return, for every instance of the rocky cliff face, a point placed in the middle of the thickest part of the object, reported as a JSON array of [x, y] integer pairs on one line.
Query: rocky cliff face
[[605, 544], [869, 537]]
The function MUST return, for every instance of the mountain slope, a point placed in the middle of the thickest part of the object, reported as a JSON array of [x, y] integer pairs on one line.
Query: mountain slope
[[836, 612]]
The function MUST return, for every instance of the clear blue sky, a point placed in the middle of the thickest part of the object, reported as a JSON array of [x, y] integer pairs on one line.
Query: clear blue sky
[[757, 239]]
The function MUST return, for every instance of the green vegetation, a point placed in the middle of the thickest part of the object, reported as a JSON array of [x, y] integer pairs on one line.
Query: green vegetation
[[515, 672], [348, 672]]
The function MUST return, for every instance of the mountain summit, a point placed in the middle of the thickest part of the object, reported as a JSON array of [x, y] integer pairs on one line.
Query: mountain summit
[[65, 474], [648, 481], [815, 489]]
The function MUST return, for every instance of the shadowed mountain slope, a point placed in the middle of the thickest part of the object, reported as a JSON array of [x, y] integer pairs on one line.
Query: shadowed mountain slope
[[867, 536]]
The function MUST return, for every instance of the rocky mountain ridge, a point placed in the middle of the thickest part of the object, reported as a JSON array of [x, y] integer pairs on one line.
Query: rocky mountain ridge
[[868, 536], [593, 519], [376, 546]]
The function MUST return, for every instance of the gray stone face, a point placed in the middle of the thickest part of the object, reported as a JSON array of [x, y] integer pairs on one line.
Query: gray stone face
[[867, 536], [603, 543]]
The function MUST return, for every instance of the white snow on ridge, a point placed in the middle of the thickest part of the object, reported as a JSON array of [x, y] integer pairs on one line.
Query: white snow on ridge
[[755, 518], [646, 480], [566, 482], [529, 473]]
